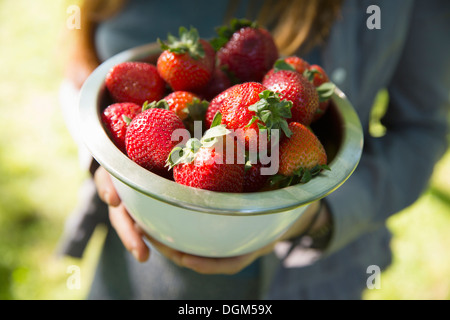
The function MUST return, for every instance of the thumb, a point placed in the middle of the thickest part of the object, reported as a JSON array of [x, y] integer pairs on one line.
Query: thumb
[[105, 187]]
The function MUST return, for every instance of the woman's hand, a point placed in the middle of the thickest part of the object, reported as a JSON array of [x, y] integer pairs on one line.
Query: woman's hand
[[133, 237], [130, 234]]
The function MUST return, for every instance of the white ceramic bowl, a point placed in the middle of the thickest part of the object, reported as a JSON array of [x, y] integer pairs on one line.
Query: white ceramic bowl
[[207, 223]]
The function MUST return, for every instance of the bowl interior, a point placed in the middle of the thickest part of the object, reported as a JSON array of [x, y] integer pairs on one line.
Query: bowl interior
[[339, 130]]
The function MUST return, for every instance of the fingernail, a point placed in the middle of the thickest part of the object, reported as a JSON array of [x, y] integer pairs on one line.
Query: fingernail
[[135, 254], [106, 197]]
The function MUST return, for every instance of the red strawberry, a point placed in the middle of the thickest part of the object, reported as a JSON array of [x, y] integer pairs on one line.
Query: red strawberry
[[245, 50], [253, 179], [297, 63], [188, 106], [214, 106], [149, 138], [219, 82], [302, 155], [187, 63], [296, 88], [202, 164], [180, 101], [251, 109], [135, 82], [116, 118], [319, 77]]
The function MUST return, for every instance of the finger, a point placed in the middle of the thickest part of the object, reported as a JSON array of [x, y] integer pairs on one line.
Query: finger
[[228, 266], [105, 187], [126, 229], [169, 253], [207, 265]]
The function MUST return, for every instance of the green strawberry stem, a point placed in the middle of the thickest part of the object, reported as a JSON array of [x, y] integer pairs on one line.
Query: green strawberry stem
[[309, 74], [302, 175], [161, 104], [271, 113], [187, 153], [225, 32], [325, 90], [126, 119], [280, 64], [182, 155], [195, 111], [216, 120], [251, 159], [188, 42], [212, 135]]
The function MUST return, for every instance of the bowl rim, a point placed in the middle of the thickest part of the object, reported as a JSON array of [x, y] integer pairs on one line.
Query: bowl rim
[[128, 172]]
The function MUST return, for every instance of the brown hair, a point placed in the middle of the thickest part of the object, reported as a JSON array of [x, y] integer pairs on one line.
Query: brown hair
[[83, 58], [297, 26]]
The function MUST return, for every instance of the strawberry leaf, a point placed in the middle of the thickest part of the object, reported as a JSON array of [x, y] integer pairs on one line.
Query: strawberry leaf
[[225, 32], [187, 42], [301, 175], [162, 45], [306, 176], [126, 119], [252, 121], [284, 126], [185, 154], [259, 106], [280, 64], [209, 139], [266, 116], [273, 180], [281, 181], [309, 74], [145, 106], [175, 157], [216, 120], [161, 104], [325, 91], [237, 24], [271, 112], [196, 109], [193, 144], [195, 112]]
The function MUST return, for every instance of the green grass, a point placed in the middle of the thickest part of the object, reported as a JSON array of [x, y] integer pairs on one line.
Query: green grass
[[421, 265], [40, 177], [39, 172]]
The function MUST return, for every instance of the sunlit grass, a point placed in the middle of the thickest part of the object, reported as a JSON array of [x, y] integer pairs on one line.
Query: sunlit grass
[[39, 172], [421, 264]]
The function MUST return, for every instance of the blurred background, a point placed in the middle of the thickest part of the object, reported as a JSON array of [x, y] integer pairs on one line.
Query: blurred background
[[40, 176]]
